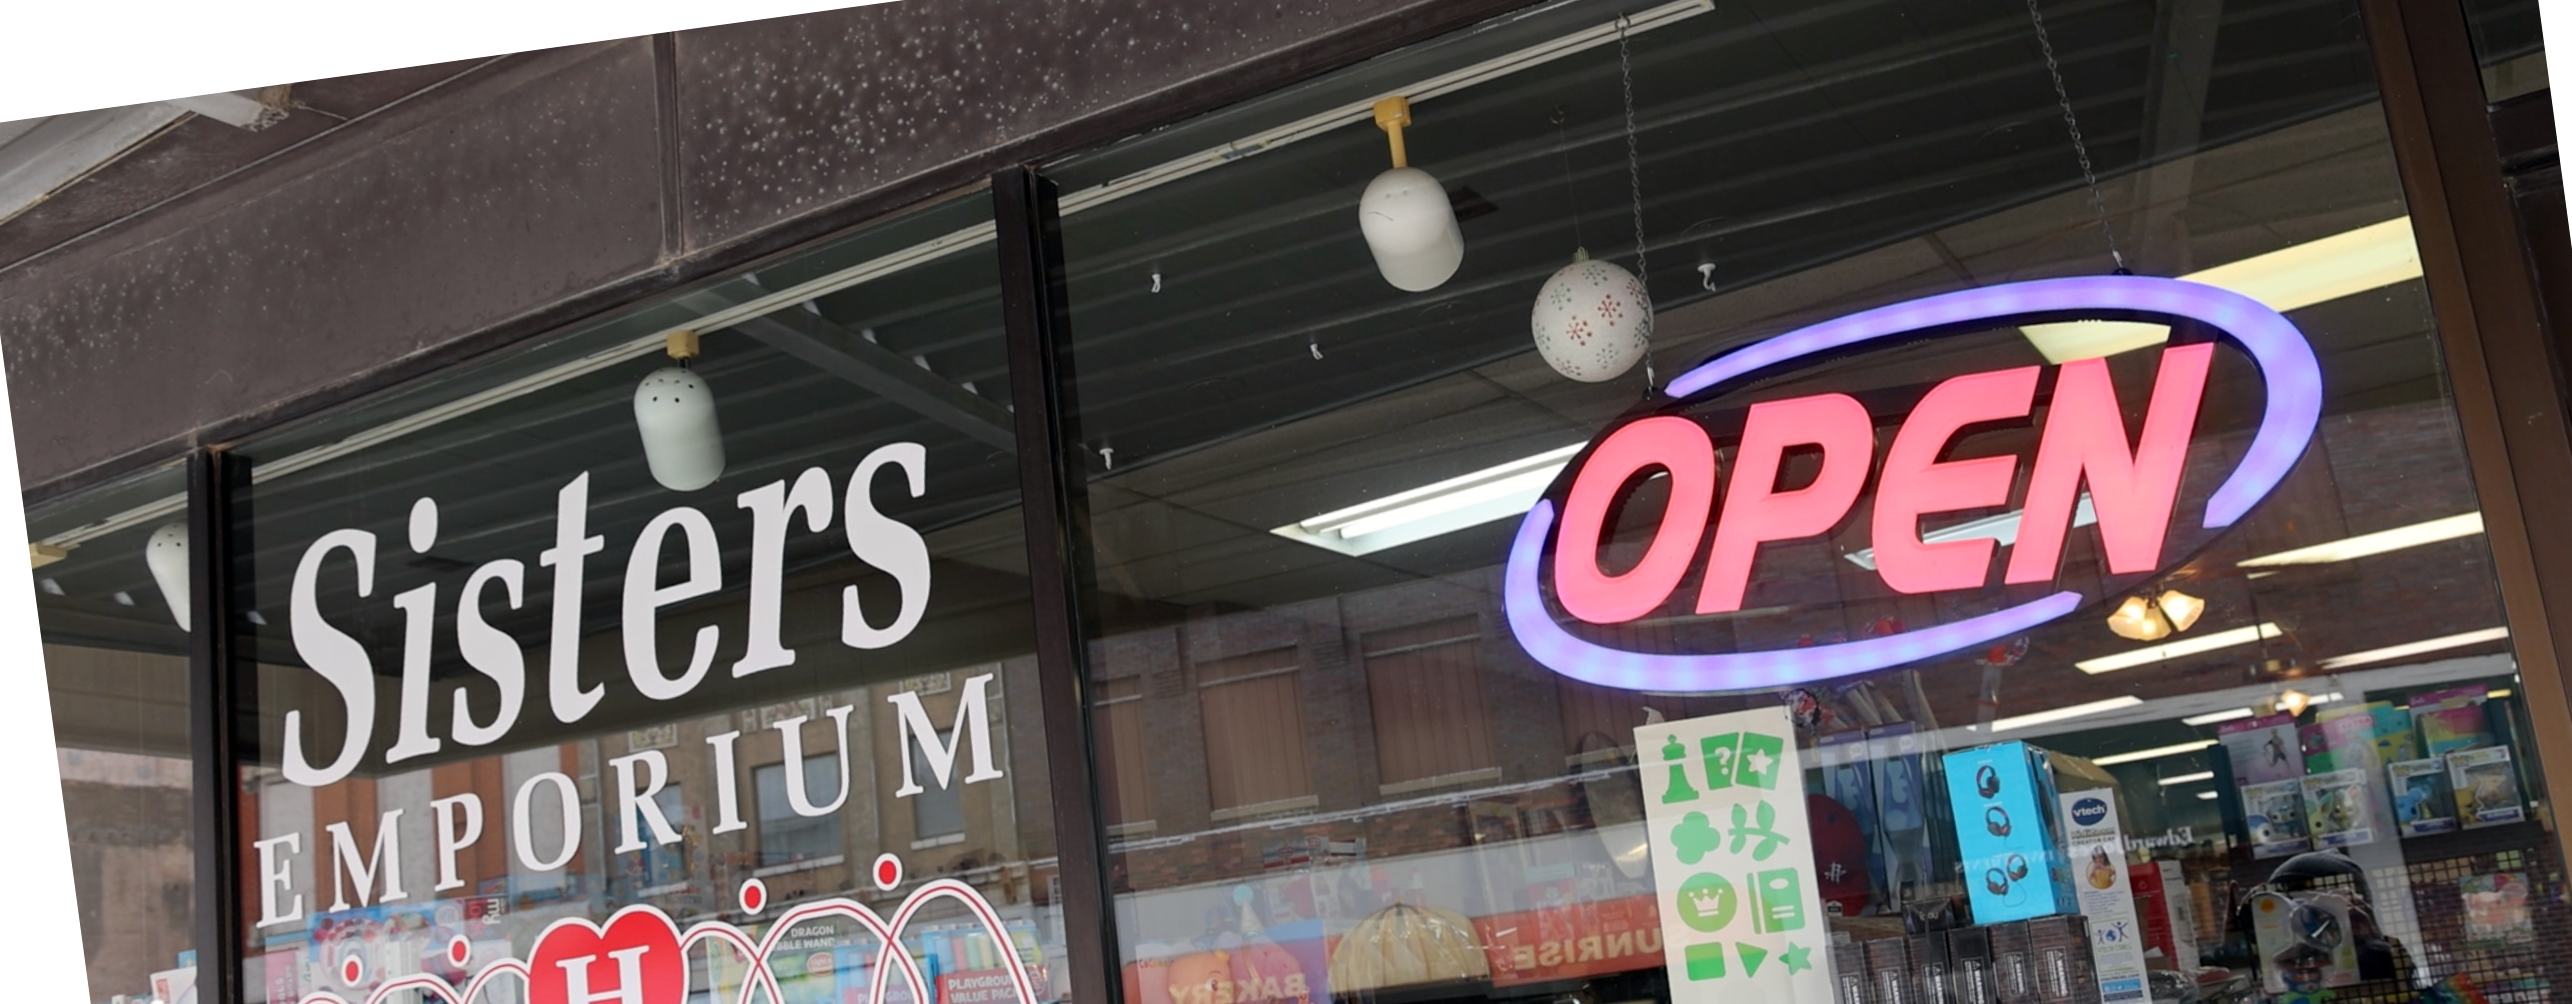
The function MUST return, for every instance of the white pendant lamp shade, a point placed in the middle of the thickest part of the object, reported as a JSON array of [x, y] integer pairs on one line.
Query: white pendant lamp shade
[[167, 553], [1592, 320], [674, 409], [1411, 227], [1406, 216]]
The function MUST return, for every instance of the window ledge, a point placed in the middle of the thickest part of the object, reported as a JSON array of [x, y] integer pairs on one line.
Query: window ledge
[[1481, 776], [938, 841], [1596, 758], [1297, 803], [1137, 828], [799, 866]]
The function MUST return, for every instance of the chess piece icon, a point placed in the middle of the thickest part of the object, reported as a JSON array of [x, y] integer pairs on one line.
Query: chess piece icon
[[1676, 754]]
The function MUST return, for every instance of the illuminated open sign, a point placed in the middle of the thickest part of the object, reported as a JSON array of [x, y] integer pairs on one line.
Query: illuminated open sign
[[2084, 439]]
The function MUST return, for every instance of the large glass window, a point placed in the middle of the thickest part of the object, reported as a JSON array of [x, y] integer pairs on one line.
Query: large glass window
[[1415, 683], [111, 597], [650, 653]]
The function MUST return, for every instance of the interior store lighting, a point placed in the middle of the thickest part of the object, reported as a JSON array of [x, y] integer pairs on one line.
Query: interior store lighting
[[2212, 717], [2205, 796], [2498, 693], [2423, 646], [2370, 544], [2065, 713], [2137, 620], [2002, 528], [2182, 609], [2178, 649], [2203, 775], [1494, 493], [941, 246], [2316, 271], [2154, 753]]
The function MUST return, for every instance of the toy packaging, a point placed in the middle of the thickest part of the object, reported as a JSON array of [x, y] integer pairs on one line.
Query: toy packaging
[[2348, 739], [2262, 750], [2337, 811], [2451, 720], [2274, 814], [2486, 783], [2496, 911], [2422, 803]]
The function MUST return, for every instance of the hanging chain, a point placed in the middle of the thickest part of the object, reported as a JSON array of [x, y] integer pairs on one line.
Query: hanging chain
[[2098, 204], [1634, 188]]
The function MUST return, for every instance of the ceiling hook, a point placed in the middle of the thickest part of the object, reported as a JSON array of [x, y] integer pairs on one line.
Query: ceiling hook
[[1706, 277]]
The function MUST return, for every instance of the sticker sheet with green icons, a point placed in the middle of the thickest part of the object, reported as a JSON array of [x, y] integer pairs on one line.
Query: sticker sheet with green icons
[[1732, 859]]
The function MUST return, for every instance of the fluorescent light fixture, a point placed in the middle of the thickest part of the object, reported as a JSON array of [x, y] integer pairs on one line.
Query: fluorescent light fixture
[[2379, 542], [2391, 652], [2344, 264], [2212, 717], [2003, 528], [2205, 796], [2203, 775], [2153, 753], [1484, 496], [2177, 649], [2498, 694], [2063, 714]]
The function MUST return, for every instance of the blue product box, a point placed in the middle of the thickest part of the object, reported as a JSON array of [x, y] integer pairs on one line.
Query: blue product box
[[2004, 832]]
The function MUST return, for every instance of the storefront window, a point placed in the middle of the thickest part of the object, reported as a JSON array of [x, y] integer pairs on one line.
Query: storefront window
[[571, 686], [112, 606], [2128, 639]]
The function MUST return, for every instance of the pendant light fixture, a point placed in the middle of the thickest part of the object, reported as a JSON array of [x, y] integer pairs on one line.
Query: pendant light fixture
[[167, 554], [1593, 320], [1408, 221], [2182, 609], [2137, 619], [674, 410]]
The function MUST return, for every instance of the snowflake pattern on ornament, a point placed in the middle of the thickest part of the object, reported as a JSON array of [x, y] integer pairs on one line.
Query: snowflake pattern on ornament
[[1592, 321]]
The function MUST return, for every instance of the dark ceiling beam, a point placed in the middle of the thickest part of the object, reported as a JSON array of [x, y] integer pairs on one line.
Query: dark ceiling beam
[[846, 354]]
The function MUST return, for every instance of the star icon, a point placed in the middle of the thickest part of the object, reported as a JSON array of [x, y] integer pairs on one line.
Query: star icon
[[1797, 958], [1759, 761]]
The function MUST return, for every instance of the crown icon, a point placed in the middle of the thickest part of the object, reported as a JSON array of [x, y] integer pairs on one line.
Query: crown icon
[[1706, 900]]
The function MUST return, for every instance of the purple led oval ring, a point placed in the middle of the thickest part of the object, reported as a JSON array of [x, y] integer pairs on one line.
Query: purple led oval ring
[[2294, 408], [1589, 662], [2285, 359]]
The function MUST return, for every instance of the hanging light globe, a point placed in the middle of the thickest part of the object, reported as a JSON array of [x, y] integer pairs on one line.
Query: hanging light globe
[[1592, 320], [167, 554]]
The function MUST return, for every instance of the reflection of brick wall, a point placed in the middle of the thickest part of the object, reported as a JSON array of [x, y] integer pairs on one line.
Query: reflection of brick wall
[[2367, 471]]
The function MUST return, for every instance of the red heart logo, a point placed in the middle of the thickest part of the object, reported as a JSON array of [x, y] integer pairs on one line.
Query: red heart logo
[[634, 960]]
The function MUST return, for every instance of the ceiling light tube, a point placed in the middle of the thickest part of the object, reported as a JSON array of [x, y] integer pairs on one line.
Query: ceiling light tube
[[2316, 271], [2002, 528], [2154, 753], [1493, 493], [2065, 714], [2203, 775], [2211, 717], [2424, 645], [2177, 649], [2370, 544]]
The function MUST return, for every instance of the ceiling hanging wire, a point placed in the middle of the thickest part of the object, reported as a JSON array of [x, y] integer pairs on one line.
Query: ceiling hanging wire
[[1571, 198], [1634, 188], [2072, 124]]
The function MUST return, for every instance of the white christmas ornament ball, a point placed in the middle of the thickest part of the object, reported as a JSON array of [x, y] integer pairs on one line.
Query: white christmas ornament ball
[[1592, 321]]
